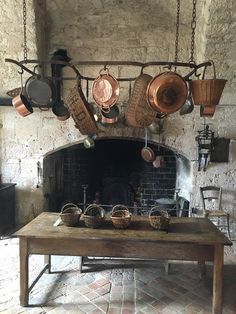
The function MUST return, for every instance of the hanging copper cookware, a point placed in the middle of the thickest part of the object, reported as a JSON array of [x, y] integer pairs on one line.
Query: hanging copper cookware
[[207, 111], [207, 92], [22, 105], [105, 90], [111, 116], [146, 152], [167, 92], [21, 102]]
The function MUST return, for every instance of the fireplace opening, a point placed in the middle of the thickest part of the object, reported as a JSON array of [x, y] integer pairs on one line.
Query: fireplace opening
[[113, 172]]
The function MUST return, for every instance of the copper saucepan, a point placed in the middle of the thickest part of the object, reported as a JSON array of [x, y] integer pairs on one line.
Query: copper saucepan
[[167, 92], [22, 105], [105, 90], [110, 116]]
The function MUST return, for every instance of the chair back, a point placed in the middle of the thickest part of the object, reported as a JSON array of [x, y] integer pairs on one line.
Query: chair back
[[211, 197]]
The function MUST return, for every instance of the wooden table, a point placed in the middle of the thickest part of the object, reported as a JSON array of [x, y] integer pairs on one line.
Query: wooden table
[[193, 239]]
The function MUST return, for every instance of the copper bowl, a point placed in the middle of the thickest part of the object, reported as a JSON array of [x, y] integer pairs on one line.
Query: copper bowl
[[167, 92]]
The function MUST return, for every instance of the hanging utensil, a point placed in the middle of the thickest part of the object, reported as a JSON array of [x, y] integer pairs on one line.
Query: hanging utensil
[[21, 103], [105, 89], [207, 92], [139, 114], [111, 116], [167, 92], [188, 105], [147, 153]]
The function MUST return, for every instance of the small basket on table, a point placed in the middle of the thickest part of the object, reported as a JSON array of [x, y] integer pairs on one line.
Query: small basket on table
[[120, 216], [159, 218], [70, 214], [94, 216]]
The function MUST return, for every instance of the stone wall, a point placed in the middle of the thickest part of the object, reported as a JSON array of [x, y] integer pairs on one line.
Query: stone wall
[[112, 30]]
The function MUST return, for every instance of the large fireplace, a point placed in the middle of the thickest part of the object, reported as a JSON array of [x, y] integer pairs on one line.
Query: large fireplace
[[113, 172]]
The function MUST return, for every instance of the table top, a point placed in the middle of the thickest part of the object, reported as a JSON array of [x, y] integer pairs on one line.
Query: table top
[[181, 230]]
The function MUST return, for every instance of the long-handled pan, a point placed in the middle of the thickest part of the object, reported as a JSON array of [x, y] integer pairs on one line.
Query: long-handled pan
[[147, 153]]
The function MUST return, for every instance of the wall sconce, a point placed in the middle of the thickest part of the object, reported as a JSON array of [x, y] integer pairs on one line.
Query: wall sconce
[[205, 145]]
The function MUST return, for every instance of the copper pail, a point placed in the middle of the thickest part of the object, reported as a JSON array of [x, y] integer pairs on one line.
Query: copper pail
[[207, 92]]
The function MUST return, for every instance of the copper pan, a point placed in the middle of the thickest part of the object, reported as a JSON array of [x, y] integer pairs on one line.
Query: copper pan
[[22, 105], [105, 90], [167, 92], [146, 152], [110, 116]]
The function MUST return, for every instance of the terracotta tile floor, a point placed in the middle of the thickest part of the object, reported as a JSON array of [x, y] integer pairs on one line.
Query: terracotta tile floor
[[112, 286]]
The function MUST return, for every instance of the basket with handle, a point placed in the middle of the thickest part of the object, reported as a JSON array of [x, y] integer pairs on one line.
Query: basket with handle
[[70, 214], [94, 216], [159, 218], [120, 216]]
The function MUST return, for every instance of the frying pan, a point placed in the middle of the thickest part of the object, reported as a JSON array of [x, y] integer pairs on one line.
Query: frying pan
[[146, 152]]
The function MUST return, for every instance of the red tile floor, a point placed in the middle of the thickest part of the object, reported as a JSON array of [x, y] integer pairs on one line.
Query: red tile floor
[[113, 286]]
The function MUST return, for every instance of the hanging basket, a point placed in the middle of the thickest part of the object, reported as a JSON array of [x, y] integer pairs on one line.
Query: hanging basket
[[70, 214], [120, 217], [207, 92], [159, 218], [94, 216]]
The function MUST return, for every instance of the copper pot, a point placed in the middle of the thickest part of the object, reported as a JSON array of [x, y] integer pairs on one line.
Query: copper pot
[[105, 90], [167, 92], [22, 105], [111, 116]]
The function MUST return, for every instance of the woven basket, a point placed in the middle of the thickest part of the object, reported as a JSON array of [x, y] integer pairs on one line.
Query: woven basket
[[139, 114], [70, 214], [94, 216], [120, 217], [80, 111], [159, 218]]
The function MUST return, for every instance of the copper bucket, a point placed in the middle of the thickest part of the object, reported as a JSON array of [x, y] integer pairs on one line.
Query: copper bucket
[[207, 92]]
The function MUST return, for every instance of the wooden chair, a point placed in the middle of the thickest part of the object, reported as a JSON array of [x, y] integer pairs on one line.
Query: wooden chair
[[211, 199]]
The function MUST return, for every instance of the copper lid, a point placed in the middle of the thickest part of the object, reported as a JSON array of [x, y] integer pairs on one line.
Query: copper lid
[[167, 92]]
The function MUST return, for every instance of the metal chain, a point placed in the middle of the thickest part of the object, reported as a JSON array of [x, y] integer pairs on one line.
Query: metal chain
[[24, 31], [193, 27], [177, 31]]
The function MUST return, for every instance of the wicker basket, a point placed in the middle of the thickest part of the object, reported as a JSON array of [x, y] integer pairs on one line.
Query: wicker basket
[[94, 216], [139, 114], [159, 218], [70, 214], [120, 217]]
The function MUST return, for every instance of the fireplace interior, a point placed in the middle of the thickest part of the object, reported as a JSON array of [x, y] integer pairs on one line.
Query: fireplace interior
[[113, 172]]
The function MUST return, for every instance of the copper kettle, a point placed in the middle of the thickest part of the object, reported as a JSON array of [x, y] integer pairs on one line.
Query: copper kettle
[[167, 92]]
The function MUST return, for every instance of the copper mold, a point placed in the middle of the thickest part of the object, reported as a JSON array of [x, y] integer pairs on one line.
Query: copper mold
[[105, 90]]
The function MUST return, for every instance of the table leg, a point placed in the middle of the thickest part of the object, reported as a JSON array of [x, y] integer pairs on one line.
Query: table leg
[[24, 271], [217, 279], [80, 263], [47, 260]]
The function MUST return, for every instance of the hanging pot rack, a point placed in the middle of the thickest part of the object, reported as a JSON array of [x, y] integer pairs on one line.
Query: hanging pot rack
[[73, 65]]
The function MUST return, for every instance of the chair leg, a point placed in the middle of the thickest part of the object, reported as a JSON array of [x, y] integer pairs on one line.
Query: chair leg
[[228, 226]]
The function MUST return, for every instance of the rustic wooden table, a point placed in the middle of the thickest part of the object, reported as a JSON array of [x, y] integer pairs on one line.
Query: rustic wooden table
[[192, 239]]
